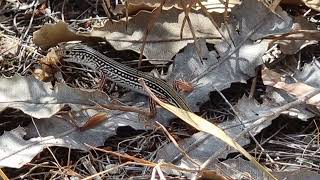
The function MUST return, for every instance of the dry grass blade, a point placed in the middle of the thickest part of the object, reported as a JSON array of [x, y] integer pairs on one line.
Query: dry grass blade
[[203, 125], [3, 175]]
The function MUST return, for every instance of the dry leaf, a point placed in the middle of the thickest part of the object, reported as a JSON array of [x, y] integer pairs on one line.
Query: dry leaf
[[252, 13], [49, 66], [94, 121], [298, 89], [302, 33], [51, 34], [183, 86], [163, 42], [41, 100], [210, 175], [135, 6]]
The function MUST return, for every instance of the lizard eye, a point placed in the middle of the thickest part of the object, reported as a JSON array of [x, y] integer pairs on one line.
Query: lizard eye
[[67, 52]]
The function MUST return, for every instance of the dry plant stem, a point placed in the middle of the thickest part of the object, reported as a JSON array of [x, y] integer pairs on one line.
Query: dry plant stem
[[38, 132], [253, 86], [225, 20], [127, 14], [126, 109], [295, 166], [36, 2], [177, 145], [160, 173], [190, 147], [148, 29], [152, 108], [89, 167], [273, 114], [311, 141], [69, 155], [25, 175], [10, 32], [15, 25], [301, 35], [204, 9], [225, 13], [223, 59], [186, 18], [65, 173], [160, 40], [266, 140], [111, 169], [62, 9], [106, 5], [3, 175], [318, 134]]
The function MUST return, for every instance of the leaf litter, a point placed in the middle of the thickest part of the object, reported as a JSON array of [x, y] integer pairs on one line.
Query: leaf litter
[[236, 59]]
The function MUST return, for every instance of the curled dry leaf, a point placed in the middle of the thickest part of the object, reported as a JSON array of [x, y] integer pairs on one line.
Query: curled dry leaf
[[210, 174], [51, 34], [94, 121], [183, 86], [298, 89], [49, 66]]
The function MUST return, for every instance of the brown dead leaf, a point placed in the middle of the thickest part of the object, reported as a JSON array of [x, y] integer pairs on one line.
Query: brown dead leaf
[[51, 34], [298, 89], [94, 121], [49, 66], [183, 86], [210, 175], [164, 41]]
